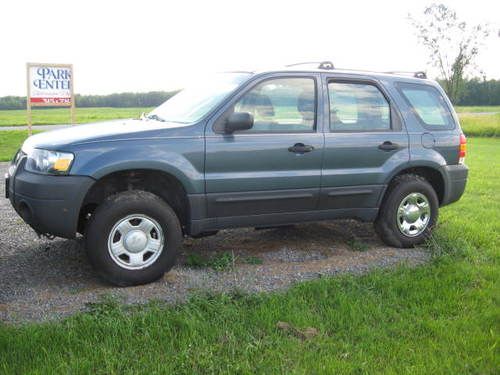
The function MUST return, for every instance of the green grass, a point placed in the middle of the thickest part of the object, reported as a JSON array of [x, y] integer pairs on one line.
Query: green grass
[[253, 260], [480, 125], [466, 109], [10, 141], [219, 262], [52, 116], [357, 245], [441, 318]]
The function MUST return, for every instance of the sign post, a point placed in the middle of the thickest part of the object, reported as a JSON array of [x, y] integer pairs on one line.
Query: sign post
[[49, 85]]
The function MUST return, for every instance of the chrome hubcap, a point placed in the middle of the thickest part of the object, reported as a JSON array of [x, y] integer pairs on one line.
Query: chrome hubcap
[[135, 242], [414, 214]]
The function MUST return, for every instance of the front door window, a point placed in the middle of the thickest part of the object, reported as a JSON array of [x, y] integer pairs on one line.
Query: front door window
[[282, 105]]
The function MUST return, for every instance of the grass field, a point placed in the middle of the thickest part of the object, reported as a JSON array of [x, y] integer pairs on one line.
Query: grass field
[[480, 125], [54, 116], [477, 108], [440, 318]]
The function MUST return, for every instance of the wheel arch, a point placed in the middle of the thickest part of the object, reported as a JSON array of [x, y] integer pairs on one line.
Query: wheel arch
[[431, 172], [178, 167], [163, 184]]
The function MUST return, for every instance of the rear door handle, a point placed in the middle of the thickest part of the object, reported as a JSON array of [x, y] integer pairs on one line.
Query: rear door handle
[[300, 148], [388, 146]]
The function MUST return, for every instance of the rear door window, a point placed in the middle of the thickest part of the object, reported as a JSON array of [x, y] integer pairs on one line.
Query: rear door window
[[428, 104], [357, 107]]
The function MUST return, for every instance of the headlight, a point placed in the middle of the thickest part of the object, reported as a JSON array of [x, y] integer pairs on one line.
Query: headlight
[[48, 162]]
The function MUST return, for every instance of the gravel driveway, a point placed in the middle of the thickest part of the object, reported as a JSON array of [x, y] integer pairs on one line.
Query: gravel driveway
[[43, 280]]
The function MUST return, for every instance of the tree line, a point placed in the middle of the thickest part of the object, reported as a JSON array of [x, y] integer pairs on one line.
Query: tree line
[[479, 92], [474, 92], [119, 100]]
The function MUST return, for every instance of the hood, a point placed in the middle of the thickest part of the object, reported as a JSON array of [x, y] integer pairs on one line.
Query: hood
[[107, 130]]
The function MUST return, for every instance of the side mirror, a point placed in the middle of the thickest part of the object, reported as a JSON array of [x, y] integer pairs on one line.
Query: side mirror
[[238, 121]]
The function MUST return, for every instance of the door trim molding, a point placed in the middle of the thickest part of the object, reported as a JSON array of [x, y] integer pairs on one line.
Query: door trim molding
[[253, 198]]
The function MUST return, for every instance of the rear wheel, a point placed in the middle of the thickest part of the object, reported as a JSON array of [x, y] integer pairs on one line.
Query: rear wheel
[[133, 238], [408, 213]]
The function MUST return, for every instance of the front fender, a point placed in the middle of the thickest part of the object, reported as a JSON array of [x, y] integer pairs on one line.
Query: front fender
[[183, 158]]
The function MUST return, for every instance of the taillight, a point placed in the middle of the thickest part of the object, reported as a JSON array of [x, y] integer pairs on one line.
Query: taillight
[[462, 149]]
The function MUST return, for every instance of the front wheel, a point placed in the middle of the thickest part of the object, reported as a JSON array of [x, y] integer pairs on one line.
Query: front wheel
[[132, 238], [408, 213]]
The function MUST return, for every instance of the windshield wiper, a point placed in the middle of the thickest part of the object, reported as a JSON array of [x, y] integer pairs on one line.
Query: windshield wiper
[[154, 117]]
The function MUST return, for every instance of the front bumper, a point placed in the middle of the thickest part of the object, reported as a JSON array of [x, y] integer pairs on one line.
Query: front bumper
[[49, 204], [456, 179]]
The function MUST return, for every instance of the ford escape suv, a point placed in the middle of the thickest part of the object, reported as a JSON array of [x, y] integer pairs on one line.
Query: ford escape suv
[[246, 149]]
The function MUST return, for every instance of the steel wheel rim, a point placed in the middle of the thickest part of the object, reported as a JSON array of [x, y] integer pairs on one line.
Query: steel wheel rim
[[413, 215], [135, 242]]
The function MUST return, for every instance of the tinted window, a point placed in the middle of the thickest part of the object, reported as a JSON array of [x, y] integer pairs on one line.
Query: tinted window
[[428, 104], [283, 105], [357, 107]]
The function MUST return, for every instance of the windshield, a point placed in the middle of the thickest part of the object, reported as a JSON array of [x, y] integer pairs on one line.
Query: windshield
[[192, 103]]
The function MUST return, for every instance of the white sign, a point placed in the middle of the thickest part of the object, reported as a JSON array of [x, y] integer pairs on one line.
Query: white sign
[[50, 85]]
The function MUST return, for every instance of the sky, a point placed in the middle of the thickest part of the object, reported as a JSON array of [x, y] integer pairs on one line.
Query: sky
[[146, 45]]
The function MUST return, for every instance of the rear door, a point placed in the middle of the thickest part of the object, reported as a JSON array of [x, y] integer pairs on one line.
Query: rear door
[[275, 166], [364, 142]]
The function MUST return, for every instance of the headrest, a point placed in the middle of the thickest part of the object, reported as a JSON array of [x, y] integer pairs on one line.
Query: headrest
[[305, 102], [259, 104]]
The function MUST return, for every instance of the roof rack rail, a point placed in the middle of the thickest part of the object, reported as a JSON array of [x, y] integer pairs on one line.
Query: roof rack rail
[[419, 74], [327, 65]]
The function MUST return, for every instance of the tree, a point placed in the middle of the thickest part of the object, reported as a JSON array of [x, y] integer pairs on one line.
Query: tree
[[453, 45]]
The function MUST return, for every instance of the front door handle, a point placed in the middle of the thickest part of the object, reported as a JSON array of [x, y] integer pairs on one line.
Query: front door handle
[[300, 148], [388, 146]]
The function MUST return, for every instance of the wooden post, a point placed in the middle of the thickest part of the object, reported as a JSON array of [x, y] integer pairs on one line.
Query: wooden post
[[72, 108], [28, 100]]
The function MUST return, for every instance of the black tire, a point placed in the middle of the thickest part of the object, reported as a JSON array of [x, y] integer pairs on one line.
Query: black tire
[[114, 209], [386, 224]]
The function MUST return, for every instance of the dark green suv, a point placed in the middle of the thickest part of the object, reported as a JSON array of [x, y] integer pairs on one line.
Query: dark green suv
[[238, 149]]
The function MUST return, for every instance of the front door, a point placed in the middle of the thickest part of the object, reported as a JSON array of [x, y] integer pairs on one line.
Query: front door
[[275, 166], [364, 143]]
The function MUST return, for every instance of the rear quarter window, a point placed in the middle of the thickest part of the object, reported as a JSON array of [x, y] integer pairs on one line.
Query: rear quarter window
[[429, 105]]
